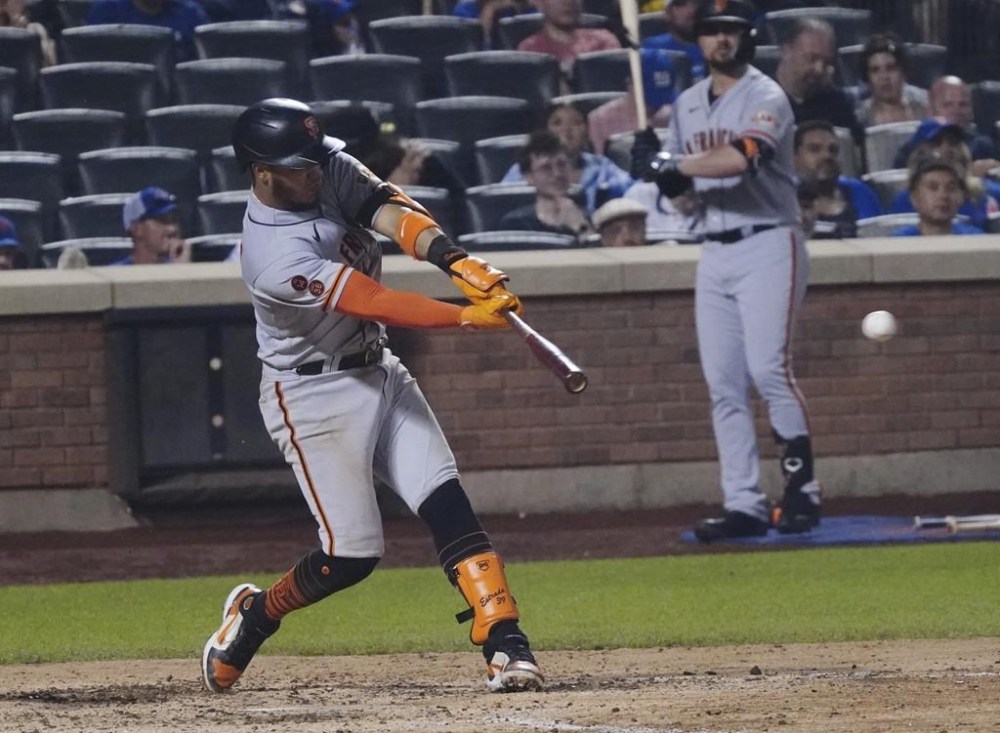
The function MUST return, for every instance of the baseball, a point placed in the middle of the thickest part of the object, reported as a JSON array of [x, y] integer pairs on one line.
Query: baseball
[[879, 325]]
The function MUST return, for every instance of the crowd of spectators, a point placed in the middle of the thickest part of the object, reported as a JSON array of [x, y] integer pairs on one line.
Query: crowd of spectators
[[833, 146]]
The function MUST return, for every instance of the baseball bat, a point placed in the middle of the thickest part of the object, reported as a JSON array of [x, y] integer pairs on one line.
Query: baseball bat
[[630, 20], [572, 376], [950, 520], [965, 524]]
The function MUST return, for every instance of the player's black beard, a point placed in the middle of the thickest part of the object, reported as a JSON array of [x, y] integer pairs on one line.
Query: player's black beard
[[726, 67]]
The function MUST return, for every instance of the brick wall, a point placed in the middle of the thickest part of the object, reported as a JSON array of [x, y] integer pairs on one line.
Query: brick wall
[[935, 386]]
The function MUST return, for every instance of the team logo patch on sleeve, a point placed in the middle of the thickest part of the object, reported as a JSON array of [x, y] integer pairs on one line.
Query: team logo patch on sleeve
[[299, 283], [312, 127], [316, 287], [765, 119]]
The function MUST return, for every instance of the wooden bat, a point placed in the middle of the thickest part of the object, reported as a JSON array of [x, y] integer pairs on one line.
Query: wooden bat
[[572, 376], [630, 20], [958, 523]]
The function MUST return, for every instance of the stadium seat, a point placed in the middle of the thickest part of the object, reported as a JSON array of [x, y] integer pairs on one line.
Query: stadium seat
[[607, 8], [239, 81], [121, 86], [882, 142], [29, 218], [619, 147], [223, 171], [766, 59], [986, 106], [21, 49], [200, 127], [8, 102], [495, 156], [587, 102], [127, 170], [67, 133], [98, 250], [73, 12], [888, 183], [143, 44], [516, 28], [530, 76], [33, 176], [213, 247], [883, 226], [388, 78], [662, 236], [926, 62], [851, 26], [439, 203], [430, 38], [515, 241], [371, 10], [486, 205], [280, 40], [456, 159], [221, 213], [472, 118], [850, 153], [97, 215]]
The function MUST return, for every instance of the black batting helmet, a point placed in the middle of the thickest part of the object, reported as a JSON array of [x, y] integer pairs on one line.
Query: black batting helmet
[[713, 13], [281, 132]]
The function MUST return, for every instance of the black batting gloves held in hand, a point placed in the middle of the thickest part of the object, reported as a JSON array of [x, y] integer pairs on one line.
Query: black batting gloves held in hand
[[644, 149], [668, 178]]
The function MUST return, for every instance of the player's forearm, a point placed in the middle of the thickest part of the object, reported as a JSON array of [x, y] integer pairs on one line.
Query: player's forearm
[[721, 162], [367, 299], [410, 227]]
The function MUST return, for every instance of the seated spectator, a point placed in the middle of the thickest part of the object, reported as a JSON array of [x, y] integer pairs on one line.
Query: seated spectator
[[936, 139], [12, 255], [805, 72], [841, 201], [680, 16], [180, 16], [547, 167], [883, 69], [660, 89], [150, 219], [937, 189], [679, 214], [223, 11], [14, 15], [489, 13], [562, 36], [621, 223], [951, 101], [597, 175], [333, 27]]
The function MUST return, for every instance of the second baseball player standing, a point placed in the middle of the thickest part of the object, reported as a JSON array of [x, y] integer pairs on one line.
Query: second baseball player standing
[[731, 138]]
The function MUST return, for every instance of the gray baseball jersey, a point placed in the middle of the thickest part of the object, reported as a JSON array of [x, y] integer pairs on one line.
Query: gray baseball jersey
[[754, 106]]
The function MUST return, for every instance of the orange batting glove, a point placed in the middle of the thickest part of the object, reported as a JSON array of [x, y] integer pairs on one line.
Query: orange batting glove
[[489, 312]]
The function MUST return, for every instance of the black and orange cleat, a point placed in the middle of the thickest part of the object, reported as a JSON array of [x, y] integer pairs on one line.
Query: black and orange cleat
[[229, 650]]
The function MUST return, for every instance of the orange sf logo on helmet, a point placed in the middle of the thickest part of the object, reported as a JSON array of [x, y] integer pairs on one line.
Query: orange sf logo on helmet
[[720, 5], [312, 127]]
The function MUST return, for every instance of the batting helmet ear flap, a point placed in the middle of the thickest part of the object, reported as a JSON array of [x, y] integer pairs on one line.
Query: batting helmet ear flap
[[748, 46]]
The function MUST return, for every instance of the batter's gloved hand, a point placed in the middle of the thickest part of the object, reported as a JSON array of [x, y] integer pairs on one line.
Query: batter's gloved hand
[[478, 279], [644, 149], [669, 179], [488, 313]]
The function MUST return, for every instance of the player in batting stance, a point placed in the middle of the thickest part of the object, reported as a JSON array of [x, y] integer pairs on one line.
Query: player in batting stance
[[731, 138], [337, 402]]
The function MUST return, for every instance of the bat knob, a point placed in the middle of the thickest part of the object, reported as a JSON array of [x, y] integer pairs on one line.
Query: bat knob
[[576, 382]]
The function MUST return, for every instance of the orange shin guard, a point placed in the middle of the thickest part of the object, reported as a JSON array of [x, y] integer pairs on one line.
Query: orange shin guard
[[483, 583]]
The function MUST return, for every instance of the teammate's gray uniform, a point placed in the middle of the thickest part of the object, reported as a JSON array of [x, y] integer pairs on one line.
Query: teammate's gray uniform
[[751, 277], [335, 425]]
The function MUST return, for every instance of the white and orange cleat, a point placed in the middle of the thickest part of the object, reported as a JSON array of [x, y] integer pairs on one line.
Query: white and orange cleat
[[229, 650]]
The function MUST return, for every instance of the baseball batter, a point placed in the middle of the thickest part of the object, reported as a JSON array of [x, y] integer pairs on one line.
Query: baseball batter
[[731, 135], [334, 398]]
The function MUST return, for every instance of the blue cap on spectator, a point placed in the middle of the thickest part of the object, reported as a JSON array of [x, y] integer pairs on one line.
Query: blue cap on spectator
[[931, 129], [149, 203], [335, 10], [8, 233], [659, 78]]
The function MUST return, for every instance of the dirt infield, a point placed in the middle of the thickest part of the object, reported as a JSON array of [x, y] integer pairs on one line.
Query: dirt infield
[[935, 686]]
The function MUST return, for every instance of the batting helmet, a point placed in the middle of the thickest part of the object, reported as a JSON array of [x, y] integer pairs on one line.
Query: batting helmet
[[281, 132], [713, 13]]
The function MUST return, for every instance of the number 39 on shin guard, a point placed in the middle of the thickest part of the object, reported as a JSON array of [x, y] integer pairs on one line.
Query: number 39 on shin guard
[[483, 583]]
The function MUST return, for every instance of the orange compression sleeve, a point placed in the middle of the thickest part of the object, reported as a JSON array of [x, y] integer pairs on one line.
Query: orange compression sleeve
[[365, 298]]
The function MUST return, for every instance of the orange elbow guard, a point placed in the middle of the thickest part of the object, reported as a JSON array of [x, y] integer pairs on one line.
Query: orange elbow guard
[[411, 225], [483, 584]]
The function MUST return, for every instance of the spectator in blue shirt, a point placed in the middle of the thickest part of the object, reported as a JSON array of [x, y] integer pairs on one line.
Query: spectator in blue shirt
[[180, 16], [681, 37], [489, 13], [840, 200], [12, 255], [935, 138], [937, 188], [597, 175]]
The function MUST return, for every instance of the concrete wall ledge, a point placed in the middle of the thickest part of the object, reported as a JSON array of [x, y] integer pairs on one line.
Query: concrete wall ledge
[[63, 510], [534, 274]]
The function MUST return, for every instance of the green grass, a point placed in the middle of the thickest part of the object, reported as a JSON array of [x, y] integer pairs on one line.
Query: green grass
[[922, 591]]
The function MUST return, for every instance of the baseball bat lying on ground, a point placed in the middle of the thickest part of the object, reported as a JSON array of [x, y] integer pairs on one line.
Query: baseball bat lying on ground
[[954, 524], [572, 376]]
